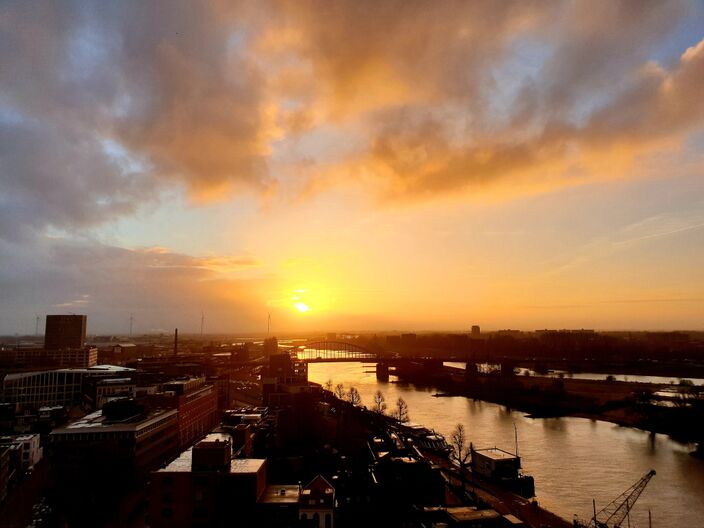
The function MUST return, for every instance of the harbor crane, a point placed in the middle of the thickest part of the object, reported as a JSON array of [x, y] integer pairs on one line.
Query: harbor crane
[[618, 510]]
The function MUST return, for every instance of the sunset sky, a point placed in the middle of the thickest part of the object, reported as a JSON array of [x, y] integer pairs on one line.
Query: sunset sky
[[362, 165]]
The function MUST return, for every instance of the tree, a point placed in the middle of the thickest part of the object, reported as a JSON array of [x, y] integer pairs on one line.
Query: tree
[[353, 396], [340, 391], [379, 402], [460, 450], [401, 411], [328, 385]]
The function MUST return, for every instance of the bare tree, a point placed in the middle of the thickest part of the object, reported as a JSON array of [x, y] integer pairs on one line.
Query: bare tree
[[379, 402], [401, 411], [328, 385], [340, 391], [460, 450], [353, 396]]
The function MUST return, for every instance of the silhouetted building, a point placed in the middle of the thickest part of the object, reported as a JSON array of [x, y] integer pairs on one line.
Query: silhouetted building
[[29, 449], [284, 375], [95, 459], [476, 332], [5, 472], [121, 438], [204, 486], [271, 346], [65, 331], [408, 339], [317, 503]]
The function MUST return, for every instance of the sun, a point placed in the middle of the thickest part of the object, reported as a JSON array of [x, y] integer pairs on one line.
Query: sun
[[301, 307]]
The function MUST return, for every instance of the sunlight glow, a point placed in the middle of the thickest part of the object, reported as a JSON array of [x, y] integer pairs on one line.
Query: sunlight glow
[[301, 307]]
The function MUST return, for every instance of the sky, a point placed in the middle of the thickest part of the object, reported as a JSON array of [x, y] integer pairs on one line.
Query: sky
[[352, 166]]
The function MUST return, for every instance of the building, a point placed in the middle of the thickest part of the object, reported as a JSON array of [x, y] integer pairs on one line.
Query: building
[[95, 460], [113, 388], [476, 331], [29, 449], [270, 346], [197, 405], [65, 331], [205, 486], [5, 472], [49, 388], [496, 464], [33, 358], [317, 503], [120, 441], [278, 506], [282, 375]]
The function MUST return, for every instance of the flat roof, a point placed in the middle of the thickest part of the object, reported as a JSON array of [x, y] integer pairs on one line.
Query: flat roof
[[495, 453], [96, 422], [464, 514], [280, 494], [96, 368], [184, 462]]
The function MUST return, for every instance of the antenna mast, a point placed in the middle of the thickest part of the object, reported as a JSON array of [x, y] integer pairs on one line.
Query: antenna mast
[[268, 325], [202, 320], [36, 326], [131, 320]]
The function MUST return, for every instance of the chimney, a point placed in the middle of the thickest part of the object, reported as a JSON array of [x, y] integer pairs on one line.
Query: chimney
[[176, 342]]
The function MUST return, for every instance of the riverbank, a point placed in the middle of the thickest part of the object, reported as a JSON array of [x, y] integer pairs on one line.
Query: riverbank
[[627, 404], [463, 488]]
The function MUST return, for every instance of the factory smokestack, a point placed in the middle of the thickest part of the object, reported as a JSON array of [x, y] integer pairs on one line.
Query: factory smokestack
[[176, 342]]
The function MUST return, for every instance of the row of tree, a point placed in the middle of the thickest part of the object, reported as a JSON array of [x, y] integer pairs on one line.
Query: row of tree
[[399, 412]]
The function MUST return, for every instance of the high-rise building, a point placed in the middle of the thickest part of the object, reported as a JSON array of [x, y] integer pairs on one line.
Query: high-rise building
[[65, 331], [476, 332]]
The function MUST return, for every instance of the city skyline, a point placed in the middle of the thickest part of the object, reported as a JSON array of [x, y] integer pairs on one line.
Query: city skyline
[[390, 166]]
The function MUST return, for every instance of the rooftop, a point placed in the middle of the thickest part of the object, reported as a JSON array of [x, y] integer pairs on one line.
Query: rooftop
[[97, 422], [184, 462], [280, 494], [468, 513], [495, 453]]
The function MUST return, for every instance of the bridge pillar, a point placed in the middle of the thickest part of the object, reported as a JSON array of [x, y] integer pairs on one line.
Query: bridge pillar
[[382, 371]]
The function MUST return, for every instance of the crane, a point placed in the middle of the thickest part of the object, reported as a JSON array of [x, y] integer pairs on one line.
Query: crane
[[618, 510]]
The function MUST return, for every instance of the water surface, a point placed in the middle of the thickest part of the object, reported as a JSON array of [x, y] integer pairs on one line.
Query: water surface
[[572, 459]]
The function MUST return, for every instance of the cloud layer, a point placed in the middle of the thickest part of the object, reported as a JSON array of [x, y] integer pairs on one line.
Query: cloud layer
[[110, 109], [102, 107]]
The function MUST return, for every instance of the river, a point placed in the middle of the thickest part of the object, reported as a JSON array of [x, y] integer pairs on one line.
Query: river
[[572, 459]]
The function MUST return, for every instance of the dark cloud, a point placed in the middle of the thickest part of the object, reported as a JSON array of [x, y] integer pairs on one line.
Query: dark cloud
[[161, 287], [105, 104]]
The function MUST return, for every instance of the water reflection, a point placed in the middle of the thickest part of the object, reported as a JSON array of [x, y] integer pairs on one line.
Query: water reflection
[[572, 459]]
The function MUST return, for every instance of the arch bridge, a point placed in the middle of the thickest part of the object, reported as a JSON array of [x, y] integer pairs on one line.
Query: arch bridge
[[331, 351]]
